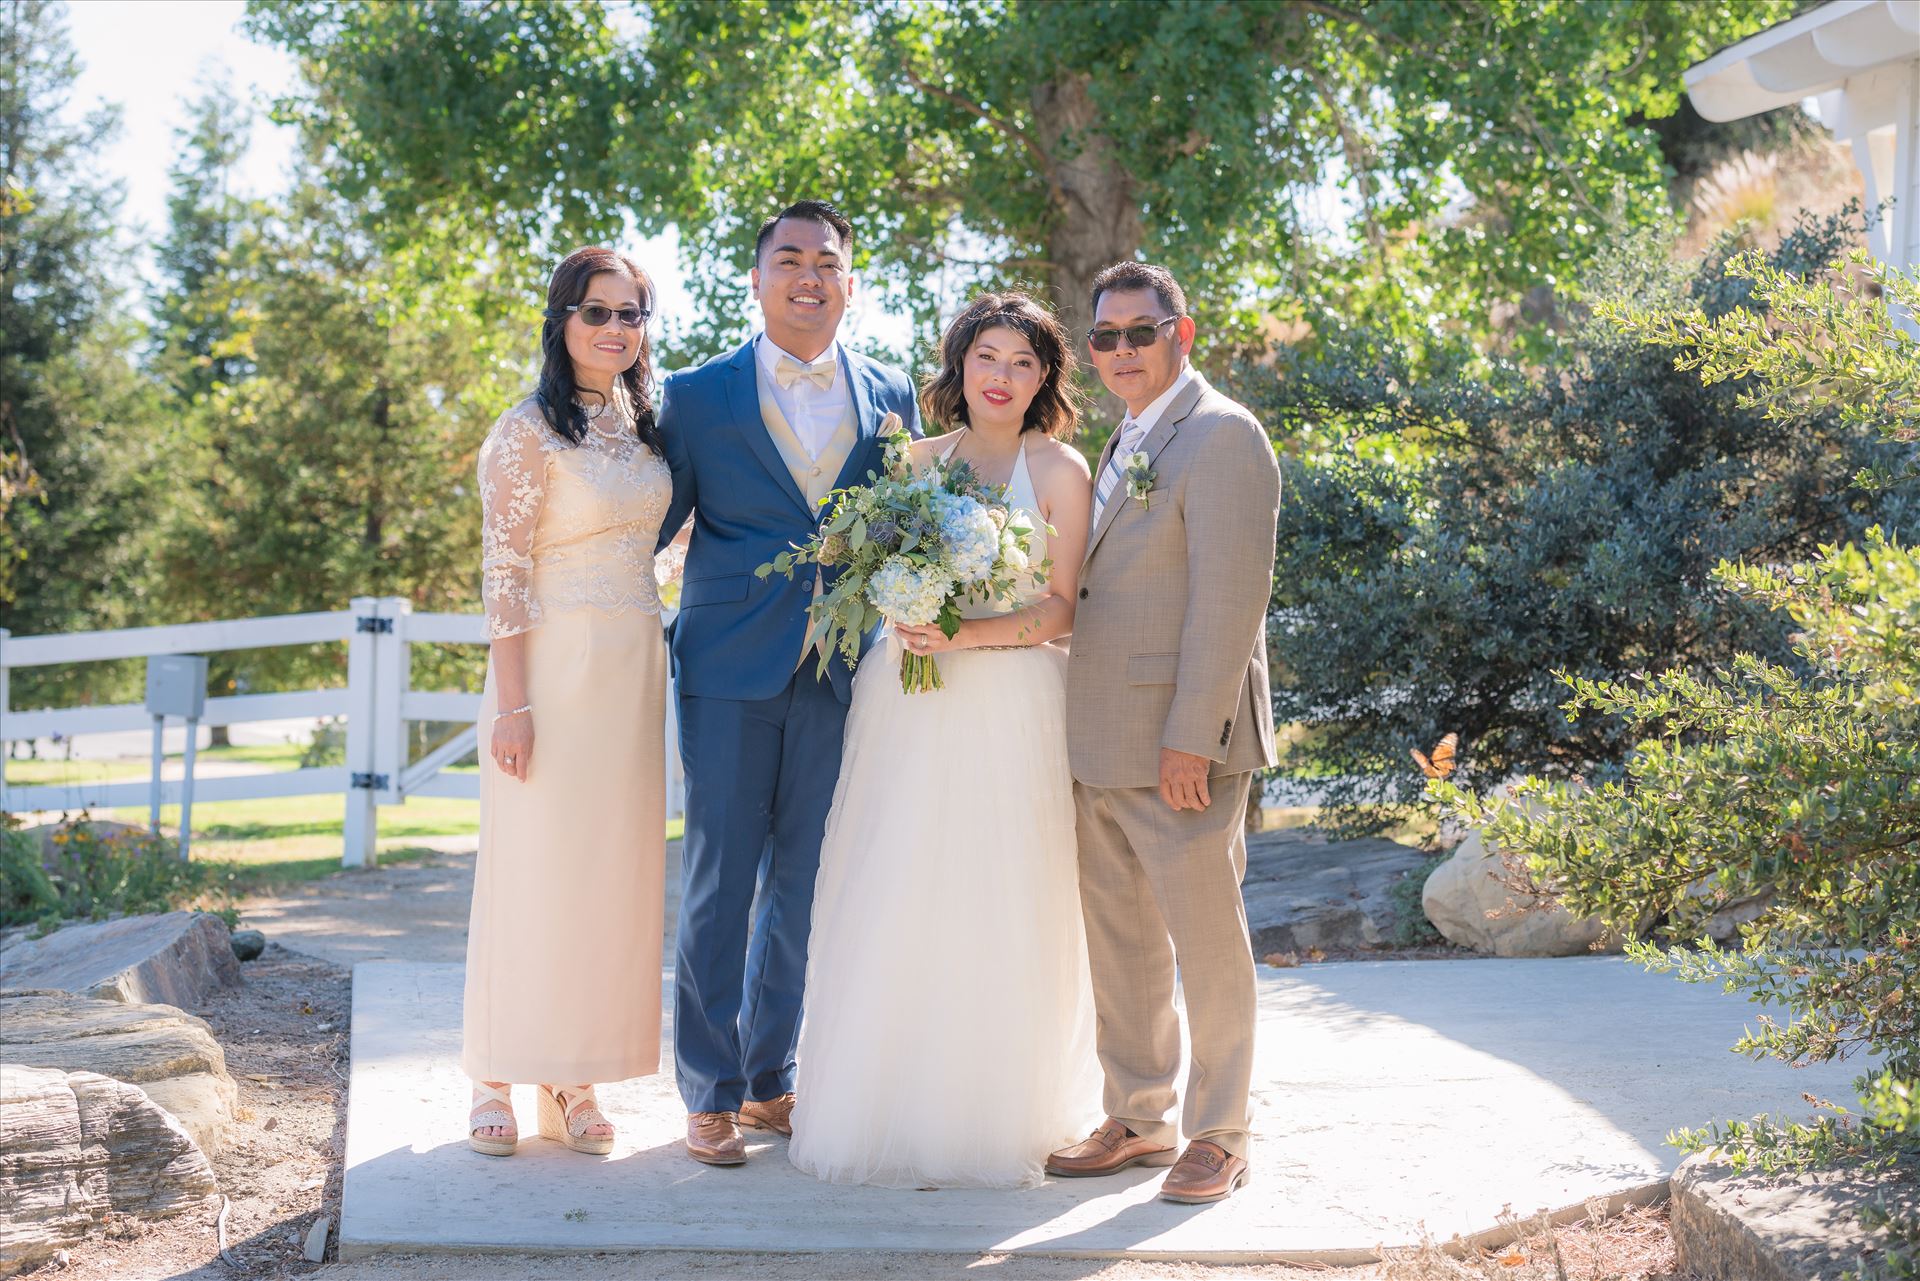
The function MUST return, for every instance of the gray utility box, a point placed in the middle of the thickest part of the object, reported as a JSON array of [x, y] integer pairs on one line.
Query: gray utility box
[[177, 686]]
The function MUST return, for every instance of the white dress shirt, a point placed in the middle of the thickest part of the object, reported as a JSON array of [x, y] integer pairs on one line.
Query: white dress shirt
[[813, 412], [1132, 433]]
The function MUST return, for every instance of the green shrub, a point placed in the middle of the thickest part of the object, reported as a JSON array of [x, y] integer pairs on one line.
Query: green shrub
[[1455, 532], [91, 872], [327, 745], [1411, 928], [25, 892], [1795, 780]]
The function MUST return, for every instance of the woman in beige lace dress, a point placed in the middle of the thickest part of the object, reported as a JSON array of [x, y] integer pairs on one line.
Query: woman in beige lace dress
[[563, 954]]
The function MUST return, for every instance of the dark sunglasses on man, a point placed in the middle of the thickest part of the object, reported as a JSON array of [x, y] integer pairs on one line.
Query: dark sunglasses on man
[[1136, 335], [596, 315]]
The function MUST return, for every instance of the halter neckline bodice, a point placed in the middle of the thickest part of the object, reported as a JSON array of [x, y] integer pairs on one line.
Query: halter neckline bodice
[[1021, 498], [1020, 493]]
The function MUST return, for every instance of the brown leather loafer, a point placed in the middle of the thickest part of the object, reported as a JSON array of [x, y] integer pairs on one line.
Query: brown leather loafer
[[774, 1114], [1108, 1150], [1205, 1172], [713, 1138]]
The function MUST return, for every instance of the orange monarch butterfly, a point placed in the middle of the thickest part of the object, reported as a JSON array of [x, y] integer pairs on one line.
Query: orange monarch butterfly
[[1441, 763]]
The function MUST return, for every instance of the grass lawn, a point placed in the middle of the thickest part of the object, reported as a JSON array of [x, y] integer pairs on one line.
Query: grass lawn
[[52, 770], [284, 840], [274, 841]]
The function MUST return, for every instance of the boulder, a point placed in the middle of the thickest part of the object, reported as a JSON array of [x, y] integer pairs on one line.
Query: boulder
[[76, 1147], [176, 958], [1791, 1227], [1723, 927], [1467, 902], [168, 1053], [248, 944], [1304, 891]]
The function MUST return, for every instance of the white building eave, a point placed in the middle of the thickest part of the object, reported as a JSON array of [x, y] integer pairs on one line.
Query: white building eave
[[1811, 54], [1861, 60]]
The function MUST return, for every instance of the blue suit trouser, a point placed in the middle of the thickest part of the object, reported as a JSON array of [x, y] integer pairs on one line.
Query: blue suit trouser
[[760, 780]]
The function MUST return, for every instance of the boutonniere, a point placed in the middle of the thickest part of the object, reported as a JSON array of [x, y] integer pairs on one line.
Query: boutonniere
[[1140, 478], [897, 445]]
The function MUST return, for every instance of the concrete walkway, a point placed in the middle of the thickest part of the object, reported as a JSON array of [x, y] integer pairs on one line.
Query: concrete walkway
[[1389, 1095]]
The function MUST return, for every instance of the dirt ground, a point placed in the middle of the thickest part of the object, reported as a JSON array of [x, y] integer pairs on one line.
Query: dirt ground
[[285, 1035]]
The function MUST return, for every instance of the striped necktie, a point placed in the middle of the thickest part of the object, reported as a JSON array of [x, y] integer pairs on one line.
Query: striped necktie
[[1131, 433]]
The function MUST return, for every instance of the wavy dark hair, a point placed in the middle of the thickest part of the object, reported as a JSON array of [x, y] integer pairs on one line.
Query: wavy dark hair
[[1055, 410], [558, 390]]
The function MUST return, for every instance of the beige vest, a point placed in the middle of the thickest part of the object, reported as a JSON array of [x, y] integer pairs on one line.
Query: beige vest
[[814, 475]]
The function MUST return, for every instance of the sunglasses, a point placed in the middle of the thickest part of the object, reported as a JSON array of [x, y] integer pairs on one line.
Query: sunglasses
[[1136, 335], [596, 315]]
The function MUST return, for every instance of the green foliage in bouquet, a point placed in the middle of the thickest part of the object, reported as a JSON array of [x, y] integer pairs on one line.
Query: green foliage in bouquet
[[907, 548], [1790, 785], [1451, 539]]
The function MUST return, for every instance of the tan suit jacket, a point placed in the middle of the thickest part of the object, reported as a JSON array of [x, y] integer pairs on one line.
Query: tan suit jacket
[[1169, 633]]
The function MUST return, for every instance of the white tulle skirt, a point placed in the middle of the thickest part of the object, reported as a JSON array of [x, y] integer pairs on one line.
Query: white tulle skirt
[[948, 1037]]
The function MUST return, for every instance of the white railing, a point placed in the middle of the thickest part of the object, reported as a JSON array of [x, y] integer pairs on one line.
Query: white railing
[[377, 703]]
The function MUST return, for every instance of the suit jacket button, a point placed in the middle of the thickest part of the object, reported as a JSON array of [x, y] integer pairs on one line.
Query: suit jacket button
[[1083, 593], [815, 472]]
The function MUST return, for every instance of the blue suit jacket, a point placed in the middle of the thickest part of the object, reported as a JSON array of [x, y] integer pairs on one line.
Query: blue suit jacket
[[738, 636]]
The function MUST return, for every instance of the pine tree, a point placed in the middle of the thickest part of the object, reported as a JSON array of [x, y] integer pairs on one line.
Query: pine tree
[[77, 420]]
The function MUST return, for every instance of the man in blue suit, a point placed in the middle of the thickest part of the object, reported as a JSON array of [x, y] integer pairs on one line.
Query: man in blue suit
[[756, 439]]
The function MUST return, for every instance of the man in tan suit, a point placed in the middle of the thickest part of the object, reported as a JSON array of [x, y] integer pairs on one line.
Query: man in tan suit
[[1168, 718]]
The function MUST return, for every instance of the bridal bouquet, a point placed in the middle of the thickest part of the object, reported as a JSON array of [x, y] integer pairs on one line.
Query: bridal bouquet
[[912, 549]]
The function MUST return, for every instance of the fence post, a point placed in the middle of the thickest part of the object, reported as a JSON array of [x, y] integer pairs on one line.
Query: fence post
[[392, 678], [6, 703], [363, 721]]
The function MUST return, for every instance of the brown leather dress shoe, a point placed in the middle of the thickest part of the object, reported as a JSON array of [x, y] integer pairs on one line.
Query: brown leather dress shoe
[[713, 1138], [1205, 1172], [774, 1114], [1108, 1150]]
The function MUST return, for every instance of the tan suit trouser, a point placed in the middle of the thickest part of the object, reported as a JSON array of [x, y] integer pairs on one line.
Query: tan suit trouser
[[1161, 888]]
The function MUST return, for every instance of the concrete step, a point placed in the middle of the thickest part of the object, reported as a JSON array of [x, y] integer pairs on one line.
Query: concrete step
[[1389, 1095]]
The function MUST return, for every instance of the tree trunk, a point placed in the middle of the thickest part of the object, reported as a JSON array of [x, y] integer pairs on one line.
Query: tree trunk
[[1096, 219], [374, 529]]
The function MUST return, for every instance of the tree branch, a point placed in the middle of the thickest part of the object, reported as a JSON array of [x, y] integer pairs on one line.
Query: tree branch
[[1005, 264], [1012, 131], [1524, 116], [1357, 150], [1337, 14]]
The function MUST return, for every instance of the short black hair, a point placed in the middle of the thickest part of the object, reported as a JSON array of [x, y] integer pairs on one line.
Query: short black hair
[[808, 211], [1141, 275]]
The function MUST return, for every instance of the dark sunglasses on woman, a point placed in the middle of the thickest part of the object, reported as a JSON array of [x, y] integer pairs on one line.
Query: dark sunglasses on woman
[[1136, 335], [596, 315]]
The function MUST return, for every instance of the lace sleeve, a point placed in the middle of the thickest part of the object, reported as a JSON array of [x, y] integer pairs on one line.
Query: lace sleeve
[[671, 562], [513, 482]]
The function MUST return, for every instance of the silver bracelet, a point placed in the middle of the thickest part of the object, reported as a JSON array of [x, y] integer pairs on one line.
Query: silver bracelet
[[500, 716]]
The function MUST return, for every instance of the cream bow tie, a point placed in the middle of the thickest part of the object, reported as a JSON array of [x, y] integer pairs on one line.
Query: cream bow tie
[[788, 371]]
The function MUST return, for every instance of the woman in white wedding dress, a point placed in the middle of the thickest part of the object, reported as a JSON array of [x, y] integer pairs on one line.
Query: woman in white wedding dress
[[948, 1035]]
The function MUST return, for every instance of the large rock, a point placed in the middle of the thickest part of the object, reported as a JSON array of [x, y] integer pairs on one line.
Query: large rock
[[1806, 1227], [76, 1147], [177, 958], [1303, 891], [1467, 902], [1723, 927], [169, 1054]]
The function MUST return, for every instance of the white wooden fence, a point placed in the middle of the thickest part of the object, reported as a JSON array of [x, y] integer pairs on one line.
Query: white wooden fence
[[377, 703]]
